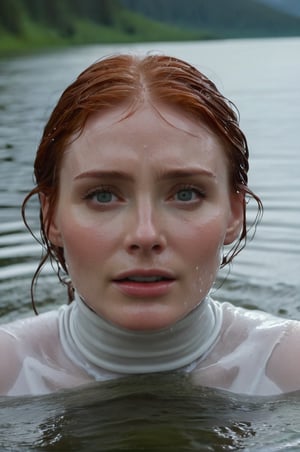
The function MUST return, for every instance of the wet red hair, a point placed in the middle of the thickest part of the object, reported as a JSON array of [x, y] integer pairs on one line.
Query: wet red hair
[[127, 79]]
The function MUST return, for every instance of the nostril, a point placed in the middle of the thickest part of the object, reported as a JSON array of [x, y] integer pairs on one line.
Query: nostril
[[143, 246], [156, 247], [134, 247]]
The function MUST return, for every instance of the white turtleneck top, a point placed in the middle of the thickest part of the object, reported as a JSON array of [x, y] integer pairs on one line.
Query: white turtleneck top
[[217, 345], [93, 343]]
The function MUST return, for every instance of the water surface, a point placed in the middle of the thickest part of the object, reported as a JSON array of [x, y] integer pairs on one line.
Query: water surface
[[161, 412]]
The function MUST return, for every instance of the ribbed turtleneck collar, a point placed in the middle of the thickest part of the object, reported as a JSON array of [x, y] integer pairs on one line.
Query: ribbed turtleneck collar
[[95, 344]]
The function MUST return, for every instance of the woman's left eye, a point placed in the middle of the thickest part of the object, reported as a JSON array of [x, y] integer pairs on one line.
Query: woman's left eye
[[104, 196], [188, 194]]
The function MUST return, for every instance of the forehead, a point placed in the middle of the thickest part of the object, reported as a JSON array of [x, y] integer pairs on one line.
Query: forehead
[[156, 133], [145, 115]]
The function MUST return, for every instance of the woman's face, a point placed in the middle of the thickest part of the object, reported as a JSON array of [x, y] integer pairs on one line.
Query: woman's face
[[143, 211]]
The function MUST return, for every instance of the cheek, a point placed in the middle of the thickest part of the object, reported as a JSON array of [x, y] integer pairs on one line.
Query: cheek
[[203, 241], [201, 252], [86, 246]]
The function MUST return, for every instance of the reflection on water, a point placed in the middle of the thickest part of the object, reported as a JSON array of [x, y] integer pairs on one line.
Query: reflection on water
[[161, 413]]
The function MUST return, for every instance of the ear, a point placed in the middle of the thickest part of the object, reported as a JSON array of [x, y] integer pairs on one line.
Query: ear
[[50, 222], [236, 217]]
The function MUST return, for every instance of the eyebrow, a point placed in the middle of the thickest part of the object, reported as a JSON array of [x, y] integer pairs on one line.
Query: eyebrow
[[163, 174], [185, 173], [103, 174]]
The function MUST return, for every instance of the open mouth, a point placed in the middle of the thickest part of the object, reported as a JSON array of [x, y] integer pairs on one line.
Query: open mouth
[[146, 279], [143, 285]]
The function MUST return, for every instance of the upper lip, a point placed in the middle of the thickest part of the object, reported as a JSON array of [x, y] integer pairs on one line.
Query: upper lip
[[144, 272]]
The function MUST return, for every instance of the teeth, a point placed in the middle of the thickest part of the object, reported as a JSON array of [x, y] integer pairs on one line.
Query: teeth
[[145, 278]]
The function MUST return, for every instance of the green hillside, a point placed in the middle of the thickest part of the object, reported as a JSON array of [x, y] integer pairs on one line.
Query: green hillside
[[28, 25], [226, 18]]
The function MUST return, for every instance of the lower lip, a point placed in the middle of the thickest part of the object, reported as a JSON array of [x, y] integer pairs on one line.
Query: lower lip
[[144, 290]]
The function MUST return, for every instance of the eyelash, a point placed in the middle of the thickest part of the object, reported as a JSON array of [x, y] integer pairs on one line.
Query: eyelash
[[108, 189], [199, 192], [99, 190]]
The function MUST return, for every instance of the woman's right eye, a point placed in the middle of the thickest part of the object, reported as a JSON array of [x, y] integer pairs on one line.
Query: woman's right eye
[[102, 196]]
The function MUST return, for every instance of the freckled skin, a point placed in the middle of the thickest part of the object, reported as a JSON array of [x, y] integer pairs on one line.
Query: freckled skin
[[147, 218]]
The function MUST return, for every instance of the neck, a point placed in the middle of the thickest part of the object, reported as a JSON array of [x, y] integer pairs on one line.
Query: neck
[[90, 340]]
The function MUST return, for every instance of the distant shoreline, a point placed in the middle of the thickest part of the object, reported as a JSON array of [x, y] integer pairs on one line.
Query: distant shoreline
[[28, 29], [37, 39]]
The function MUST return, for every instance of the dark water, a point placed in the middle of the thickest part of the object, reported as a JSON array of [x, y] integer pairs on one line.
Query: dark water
[[161, 412], [154, 413]]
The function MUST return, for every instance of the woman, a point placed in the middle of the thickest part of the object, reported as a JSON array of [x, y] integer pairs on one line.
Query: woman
[[142, 178]]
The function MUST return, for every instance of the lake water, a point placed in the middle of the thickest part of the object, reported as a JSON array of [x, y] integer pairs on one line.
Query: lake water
[[161, 412]]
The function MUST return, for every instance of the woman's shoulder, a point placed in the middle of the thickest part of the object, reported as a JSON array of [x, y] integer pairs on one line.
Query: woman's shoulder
[[251, 318], [257, 331], [284, 364], [25, 328], [262, 348], [23, 338], [31, 336]]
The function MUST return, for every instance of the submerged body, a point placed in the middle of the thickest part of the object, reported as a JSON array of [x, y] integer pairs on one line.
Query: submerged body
[[217, 344]]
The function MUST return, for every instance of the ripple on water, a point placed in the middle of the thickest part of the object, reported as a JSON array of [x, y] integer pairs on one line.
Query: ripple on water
[[162, 412]]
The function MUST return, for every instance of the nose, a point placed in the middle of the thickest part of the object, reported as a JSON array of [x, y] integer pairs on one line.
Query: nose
[[145, 232]]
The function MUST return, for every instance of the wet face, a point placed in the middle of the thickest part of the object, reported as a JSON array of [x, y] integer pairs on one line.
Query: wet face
[[144, 209]]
